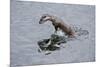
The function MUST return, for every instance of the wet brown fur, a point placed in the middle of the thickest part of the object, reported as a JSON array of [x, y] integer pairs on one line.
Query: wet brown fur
[[58, 24]]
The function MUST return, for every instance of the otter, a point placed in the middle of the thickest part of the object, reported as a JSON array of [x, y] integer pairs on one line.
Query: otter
[[58, 24]]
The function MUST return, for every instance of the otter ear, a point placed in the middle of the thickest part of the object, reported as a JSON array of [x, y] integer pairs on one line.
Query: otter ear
[[43, 16]]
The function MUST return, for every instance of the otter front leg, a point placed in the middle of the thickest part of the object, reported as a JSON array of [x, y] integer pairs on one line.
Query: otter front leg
[[56, 29]]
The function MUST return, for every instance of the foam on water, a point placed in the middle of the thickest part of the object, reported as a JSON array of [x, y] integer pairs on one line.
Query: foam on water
[[47, 44]]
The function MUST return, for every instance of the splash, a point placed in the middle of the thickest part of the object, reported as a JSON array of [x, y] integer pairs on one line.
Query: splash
[[55, 41]]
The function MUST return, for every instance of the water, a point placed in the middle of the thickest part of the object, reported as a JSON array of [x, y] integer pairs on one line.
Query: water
[[26, 32]]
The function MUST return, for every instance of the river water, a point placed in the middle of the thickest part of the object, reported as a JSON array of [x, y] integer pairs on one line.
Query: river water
[[26, 32]]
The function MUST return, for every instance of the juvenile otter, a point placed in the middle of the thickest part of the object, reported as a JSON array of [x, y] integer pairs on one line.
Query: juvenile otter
[[58, 24]]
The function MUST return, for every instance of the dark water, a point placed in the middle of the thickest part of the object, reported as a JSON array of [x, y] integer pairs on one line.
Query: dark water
[[26, 32], [55, 41]]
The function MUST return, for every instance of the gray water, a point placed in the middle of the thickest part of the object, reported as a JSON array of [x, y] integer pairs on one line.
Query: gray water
[[26, 32]]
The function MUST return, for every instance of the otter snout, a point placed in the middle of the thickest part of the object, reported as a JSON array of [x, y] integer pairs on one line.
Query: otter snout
[[41, 21]]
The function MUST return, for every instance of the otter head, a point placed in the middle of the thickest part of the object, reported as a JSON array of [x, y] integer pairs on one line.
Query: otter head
[[44, 18]]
